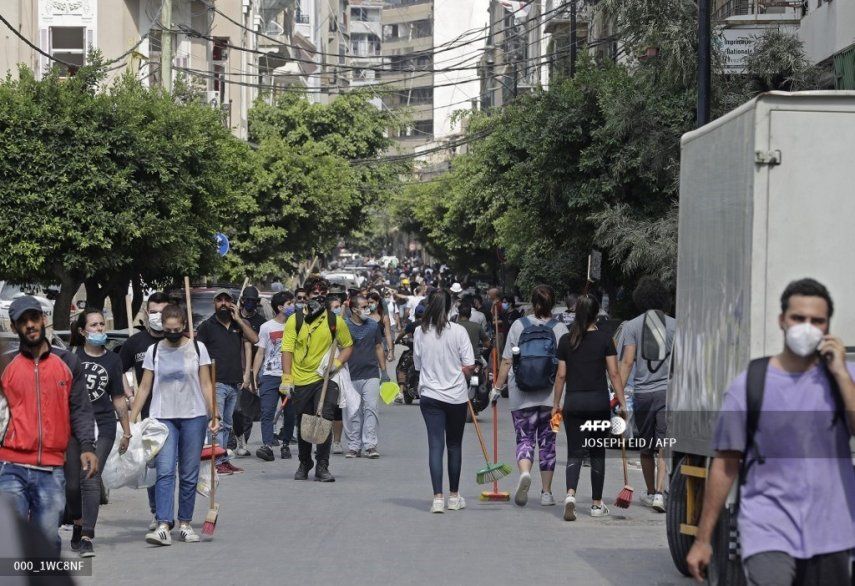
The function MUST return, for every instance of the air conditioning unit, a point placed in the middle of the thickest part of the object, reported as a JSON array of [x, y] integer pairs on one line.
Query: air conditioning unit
[[212, 98]]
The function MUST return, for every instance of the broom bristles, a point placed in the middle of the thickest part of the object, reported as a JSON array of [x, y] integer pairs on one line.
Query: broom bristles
[[492, 473], [210, 522], [624, 498]]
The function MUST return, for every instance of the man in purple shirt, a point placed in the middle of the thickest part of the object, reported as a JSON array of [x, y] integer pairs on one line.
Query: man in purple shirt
[[797, 504]]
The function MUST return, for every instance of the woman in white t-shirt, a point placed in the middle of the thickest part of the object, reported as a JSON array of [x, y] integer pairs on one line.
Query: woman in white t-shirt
[[443, 355], [177, 371]]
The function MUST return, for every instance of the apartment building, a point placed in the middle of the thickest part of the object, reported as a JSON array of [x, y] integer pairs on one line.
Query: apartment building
[[366, 42], [407, 79], [513, 58], [828, 32], [231, 51]]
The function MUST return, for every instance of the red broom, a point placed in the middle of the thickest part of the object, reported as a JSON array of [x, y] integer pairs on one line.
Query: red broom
[[624, 497], [214, 510]]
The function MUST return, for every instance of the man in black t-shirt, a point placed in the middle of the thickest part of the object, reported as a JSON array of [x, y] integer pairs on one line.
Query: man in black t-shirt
[[248, 405], [133, 350], [224, 335]]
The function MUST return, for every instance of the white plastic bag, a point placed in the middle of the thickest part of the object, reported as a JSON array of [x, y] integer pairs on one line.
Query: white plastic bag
[[203, 486], [130, 469]]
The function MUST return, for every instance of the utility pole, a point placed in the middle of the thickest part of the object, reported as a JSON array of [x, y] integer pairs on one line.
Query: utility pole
[[166, 45], [704, 61], [573, 38]]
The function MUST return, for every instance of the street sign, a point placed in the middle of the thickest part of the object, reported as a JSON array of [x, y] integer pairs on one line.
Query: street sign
[[222, 243]]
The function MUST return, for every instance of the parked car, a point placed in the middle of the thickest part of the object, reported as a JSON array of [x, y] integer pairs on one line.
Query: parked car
[[9, 291]]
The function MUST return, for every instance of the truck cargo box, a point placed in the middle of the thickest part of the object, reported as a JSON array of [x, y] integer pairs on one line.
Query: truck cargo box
[[767, 196]]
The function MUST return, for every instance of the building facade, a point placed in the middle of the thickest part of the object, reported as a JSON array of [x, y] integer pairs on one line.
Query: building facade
[[828, 32]]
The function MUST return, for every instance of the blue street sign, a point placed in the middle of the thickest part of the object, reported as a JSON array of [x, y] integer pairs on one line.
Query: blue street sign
[[222, 243]]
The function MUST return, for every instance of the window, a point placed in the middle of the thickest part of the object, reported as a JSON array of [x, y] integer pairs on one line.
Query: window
[[417, 96], [221, 49], [68, 44], [360, 14], [421, 28], [390, 32]]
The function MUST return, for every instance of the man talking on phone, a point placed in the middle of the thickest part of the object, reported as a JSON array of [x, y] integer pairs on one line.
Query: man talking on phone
[[797, 484]]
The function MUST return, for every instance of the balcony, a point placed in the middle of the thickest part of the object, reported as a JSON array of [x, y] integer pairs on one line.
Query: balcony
[[767, 10], [560, 18]]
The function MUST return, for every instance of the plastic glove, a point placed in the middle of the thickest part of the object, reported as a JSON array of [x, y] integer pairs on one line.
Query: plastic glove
[[384, 377], [336, 366], [494, 395], [286, 387]]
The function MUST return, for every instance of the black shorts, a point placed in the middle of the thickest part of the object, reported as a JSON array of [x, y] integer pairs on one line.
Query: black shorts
[[650, 417]]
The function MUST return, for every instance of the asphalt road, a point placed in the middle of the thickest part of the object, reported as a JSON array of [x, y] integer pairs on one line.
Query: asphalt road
[[372, 526]]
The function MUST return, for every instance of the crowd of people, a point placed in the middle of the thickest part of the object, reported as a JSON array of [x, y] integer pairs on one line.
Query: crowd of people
[[318, 364]]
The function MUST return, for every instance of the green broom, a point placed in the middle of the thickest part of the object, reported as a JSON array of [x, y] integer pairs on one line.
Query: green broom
[[491, 472]]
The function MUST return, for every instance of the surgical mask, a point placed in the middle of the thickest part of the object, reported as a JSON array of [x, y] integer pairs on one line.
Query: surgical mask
[[365, 313], [337, 311], [373, 307], [289, 311], [803, 339], [174, 336], [250, 305], [505, 306], [97, 338], [299, 306], [155, 322]]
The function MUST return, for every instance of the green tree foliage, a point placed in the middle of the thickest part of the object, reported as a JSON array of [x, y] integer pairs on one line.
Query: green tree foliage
[[593, 161], [103, 187], [307, 191]]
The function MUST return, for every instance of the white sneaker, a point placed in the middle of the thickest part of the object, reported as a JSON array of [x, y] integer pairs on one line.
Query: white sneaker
[[455, 503], [336, 448], [570, 508], [230, 454], [241, 447], [521, 493], [658, 503], [647, 500], [599, 510], [188, 535], [438, 505], [153, 525], [160, 536], [546, 499]]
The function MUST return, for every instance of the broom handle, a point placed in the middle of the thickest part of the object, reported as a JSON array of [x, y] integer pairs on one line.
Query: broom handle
[[327, 372], [478, 431], [189, 308], [213, 489], [623, 457]]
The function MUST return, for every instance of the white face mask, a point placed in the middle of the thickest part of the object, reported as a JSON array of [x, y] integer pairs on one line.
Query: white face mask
[[365, 313], [803, 339], [155, 322]]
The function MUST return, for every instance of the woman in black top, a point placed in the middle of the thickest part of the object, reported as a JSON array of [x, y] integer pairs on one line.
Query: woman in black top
[[102, 371], [584, 357]]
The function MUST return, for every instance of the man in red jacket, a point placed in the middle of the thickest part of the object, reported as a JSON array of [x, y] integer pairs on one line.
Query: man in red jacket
[[47, 402]]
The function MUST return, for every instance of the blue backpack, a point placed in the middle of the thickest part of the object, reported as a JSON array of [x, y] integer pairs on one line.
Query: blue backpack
[[537, 362]]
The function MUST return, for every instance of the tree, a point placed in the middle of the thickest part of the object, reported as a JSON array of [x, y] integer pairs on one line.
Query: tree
[[102, 187], [308, 192]]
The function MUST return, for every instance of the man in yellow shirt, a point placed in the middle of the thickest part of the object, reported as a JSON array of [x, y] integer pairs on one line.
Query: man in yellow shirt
[[307, 338]]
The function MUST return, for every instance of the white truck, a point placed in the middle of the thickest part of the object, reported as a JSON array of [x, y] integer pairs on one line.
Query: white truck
[[767, 196]]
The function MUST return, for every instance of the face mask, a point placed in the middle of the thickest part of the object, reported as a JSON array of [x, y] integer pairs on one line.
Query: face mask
[[803, 339], [316, 308], [155, 322], [365, 313], [174, 336], [373, 307], [290, 310], [250, 306], [505, 306], [337, 311], [97, 338]]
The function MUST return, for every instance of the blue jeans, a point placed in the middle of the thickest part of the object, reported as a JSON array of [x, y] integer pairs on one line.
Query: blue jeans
[[183, 447], [227, 396], [268, 392], [38, 496]]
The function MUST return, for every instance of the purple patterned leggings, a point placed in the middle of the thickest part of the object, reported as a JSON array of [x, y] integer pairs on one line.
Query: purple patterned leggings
[[532, 427]]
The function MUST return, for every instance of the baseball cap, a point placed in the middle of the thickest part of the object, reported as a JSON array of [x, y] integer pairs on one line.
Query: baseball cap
[[456, 288], [226, 292], [23, 304], [251, 293]]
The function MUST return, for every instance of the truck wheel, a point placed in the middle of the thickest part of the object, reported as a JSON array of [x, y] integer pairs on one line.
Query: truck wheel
[[675, 513], [724, 571]]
